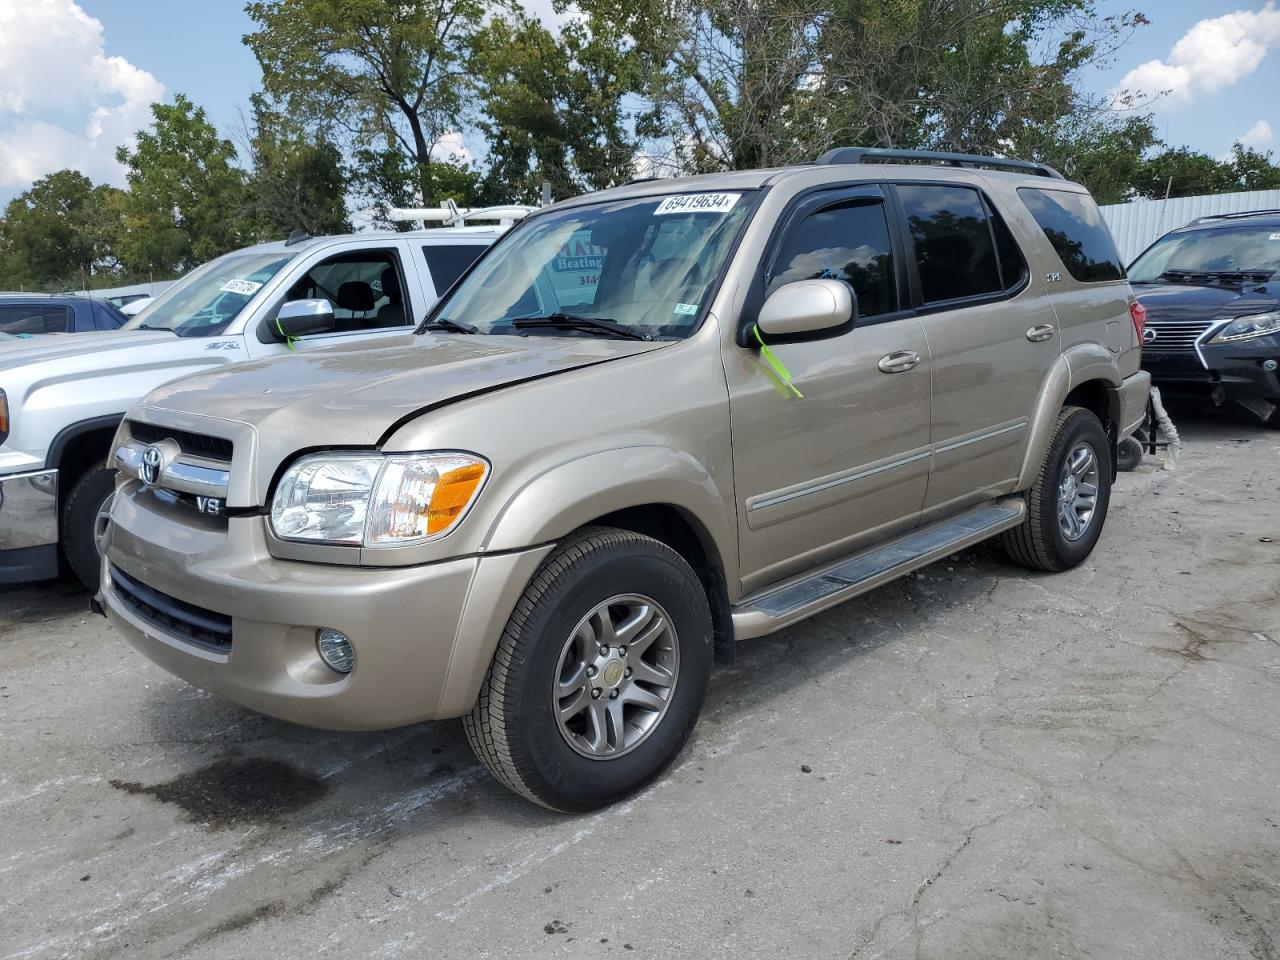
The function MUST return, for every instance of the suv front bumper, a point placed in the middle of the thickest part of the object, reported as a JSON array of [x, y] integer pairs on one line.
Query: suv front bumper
[[423, 636], [1226, 371], [28, 526]]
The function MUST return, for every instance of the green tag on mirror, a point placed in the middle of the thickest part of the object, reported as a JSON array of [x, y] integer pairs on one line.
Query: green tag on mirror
[[775, 364]]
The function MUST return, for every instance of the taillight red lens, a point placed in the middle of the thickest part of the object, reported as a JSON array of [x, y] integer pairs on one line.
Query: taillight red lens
[[1138, 313]]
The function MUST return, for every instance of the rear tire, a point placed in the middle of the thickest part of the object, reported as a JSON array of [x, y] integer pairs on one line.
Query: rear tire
[[538, 727], [1063, 521], [80, 520]]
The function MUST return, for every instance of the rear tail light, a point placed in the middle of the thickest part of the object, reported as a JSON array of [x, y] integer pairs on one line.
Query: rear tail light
[[1138, 313], [4, 417]]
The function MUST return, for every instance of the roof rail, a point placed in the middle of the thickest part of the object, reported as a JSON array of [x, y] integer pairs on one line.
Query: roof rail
[[1236, 216], [450, 214], [876, 154]]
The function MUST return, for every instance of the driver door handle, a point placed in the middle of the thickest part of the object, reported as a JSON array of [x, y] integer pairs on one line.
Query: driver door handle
[[899, 362], [1041, 331]]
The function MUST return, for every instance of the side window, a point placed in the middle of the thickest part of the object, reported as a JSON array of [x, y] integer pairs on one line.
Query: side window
[[1072, 223], [955, 248], [848, 241], [366, 289], [447, 264], [34, 318]]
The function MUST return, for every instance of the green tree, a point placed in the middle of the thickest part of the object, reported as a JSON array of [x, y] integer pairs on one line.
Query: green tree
[[386, 178], [394, 76], [187, 199], [1253, 170], [1183, 172], [59, 233], [551, 110], [298, 181]]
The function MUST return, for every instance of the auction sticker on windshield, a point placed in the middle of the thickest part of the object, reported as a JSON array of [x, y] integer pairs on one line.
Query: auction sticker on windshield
[[246, 287], [698, 203]]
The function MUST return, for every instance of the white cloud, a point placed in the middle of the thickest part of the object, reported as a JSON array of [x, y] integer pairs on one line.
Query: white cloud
[[1259, 136], [63, 101], [1215, 53], [453, 147]]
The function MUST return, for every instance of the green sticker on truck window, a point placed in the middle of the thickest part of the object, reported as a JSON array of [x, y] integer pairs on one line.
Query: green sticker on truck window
[[685, 309]]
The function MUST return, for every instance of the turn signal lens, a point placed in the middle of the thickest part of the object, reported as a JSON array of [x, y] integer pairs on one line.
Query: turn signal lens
[[1138, 314], [453, 492], [423, 495]]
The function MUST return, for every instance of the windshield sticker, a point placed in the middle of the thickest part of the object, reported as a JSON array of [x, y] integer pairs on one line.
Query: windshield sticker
[[685, 309], [245, 287], [698, 203]]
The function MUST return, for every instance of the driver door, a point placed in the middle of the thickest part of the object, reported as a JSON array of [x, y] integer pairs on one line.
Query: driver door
[[372, 295]]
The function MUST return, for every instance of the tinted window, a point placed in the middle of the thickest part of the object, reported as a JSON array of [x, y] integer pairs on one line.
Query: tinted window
[[847, 242], [447, 264], [34, 318], [1221, 249], [1074, 226], [955, 253]]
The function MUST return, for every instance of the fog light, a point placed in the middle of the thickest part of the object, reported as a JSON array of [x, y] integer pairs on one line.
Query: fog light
[[335, 649], [1270, 366]]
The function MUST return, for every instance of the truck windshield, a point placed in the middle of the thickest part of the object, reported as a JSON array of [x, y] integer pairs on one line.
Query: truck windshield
[[205, 301], [647, 266], [1218, 250]]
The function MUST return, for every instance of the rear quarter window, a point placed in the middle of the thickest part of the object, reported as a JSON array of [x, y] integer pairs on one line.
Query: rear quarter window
[[1072, 224], [29, 318], [448, 263]]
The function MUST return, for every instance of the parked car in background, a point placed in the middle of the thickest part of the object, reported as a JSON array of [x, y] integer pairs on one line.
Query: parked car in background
[[649, 422], [61, 398], [1212, 294], [136, 306], [30, 314]]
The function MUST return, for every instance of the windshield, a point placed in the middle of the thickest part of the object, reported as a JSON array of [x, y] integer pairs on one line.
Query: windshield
[[1243, 249], [647, 264], [205, 301]]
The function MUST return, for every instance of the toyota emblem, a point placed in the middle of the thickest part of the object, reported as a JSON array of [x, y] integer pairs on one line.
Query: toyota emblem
[[1149, 335], [152, 463]]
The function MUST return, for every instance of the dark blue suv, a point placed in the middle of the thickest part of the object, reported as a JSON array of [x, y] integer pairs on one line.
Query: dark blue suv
[[1212, 293], [24, 314]]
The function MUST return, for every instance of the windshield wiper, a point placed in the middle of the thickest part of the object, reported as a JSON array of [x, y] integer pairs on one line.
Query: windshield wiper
[[571, 321], [143, 326], [451, 326], [1205, 278]]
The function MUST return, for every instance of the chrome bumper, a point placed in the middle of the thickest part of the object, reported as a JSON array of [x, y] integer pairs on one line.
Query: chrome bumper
[[28, 509]]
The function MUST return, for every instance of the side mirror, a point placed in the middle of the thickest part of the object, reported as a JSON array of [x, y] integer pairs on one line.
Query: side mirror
[[807, 307], [298, 318]]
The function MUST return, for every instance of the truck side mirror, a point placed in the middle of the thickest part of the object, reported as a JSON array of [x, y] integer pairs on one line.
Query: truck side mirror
[[299, 318], [808, 308]]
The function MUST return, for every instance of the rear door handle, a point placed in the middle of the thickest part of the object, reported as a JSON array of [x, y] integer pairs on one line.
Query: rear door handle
[[1041, 331], [899, 362]]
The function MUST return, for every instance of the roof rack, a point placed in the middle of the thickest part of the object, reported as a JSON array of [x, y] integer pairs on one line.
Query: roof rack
[[876, 154], [450, 214], [1236, 216]]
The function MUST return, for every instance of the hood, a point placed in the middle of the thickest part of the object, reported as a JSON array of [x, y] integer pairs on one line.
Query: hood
[[1172, 302], [18, 351], [353, 394]]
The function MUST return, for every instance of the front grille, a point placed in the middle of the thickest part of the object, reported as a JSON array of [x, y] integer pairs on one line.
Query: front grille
[[1176, 336], [196, 625], [192, 444]]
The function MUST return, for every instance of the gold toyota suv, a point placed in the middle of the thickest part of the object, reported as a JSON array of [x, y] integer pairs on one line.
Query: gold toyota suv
[[648, 423]]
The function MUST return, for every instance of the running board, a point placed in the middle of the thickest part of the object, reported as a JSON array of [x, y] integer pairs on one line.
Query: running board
[[781, 606]]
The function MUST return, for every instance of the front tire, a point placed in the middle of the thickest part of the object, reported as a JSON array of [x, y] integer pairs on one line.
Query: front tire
[[600, 673], [1067, 503], [82, 521]]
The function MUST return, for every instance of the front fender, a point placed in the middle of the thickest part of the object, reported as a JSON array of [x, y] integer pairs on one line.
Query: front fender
[[570, 495]]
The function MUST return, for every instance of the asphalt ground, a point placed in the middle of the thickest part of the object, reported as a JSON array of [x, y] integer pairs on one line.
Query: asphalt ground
[[975, 761]]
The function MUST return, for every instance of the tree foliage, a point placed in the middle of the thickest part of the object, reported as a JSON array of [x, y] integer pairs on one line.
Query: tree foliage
[[298, 181], [58, 232], [187, 198]]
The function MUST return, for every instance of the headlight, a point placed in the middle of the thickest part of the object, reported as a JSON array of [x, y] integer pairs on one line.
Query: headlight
[[367, 499], [1246, 328]]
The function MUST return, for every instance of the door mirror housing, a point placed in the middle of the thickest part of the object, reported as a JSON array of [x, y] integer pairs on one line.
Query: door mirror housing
[[808, 309], [300, 318]]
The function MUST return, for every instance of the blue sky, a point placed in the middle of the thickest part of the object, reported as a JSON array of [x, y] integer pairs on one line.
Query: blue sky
[[1220, 60]]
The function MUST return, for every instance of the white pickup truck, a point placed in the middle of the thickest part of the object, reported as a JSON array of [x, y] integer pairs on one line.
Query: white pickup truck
[[61, 398]]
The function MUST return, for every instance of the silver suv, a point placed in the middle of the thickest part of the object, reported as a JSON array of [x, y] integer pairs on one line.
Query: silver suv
[[648, 423]]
